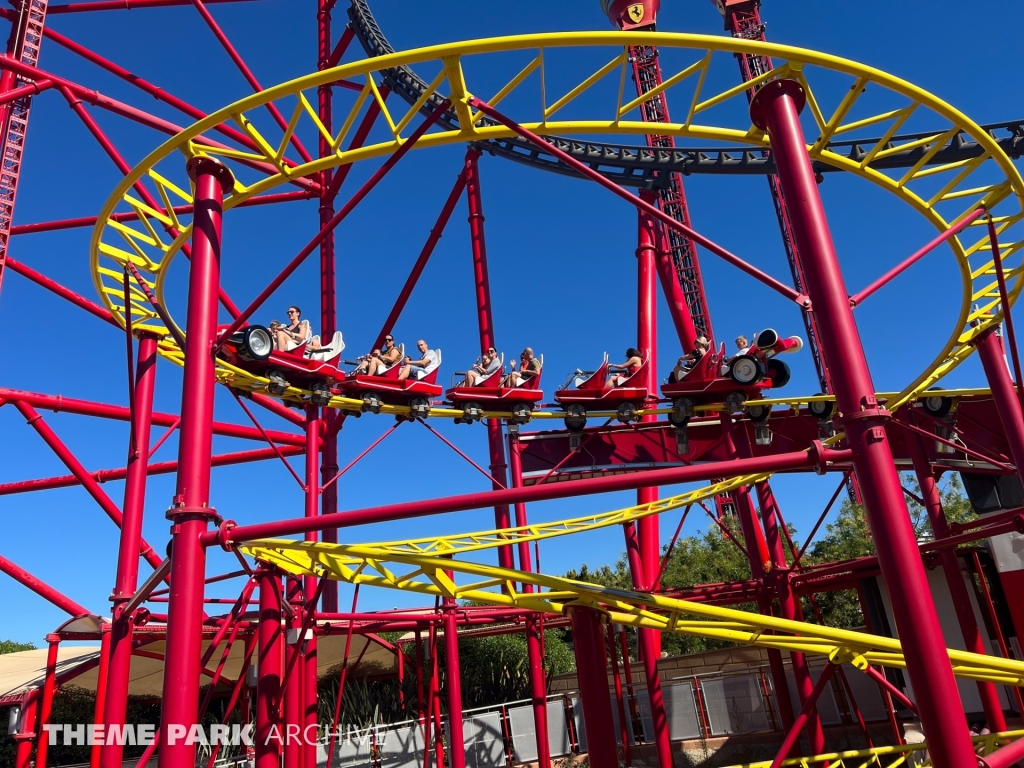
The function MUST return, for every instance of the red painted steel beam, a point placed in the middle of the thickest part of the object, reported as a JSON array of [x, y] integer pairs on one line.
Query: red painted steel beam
[[137, 115], [250, 78], [125, 5], [191, 513], [162, 468], [858, 298], [61, 404], [780, 463], [91, 486], [422, 259], [31, 89], [776, 109], [65, 293], [587, 172], [89, 221], [42, 589]]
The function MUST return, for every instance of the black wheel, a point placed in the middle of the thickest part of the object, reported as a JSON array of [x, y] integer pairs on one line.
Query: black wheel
[[778, 372], [255, 344], [471, 412], [821, 409], [575, 417], [521, 413], [937, 405], [419, 407], [626, 412], [371, 403], [321, 394], [278, 383], [759, 413], [766, 338], [746, 370]]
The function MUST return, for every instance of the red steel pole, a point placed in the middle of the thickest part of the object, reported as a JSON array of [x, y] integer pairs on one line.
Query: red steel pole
[[644, 565], [328, 281], [309, 589], [592, 676], [80, 473], [127, 580], [620, 705], [534, 649], [453, 682], [25, 741], [293, 674], [191, 512], [46, 707], [270, 666], [485, 322], [810, 706], [41, 588], [102, 676], [776, 108], [954, 578], [993, 360], [818, 456]]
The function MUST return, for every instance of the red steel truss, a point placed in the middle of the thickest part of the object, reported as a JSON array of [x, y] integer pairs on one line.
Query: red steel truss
[[523, 467]]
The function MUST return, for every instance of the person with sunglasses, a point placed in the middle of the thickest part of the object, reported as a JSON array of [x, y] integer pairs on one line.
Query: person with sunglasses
[[485, 365], [386, 359], [295, 334]]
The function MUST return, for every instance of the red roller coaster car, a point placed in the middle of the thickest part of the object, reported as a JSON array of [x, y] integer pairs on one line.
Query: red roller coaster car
[[306, 367], [492, 394], [716, 378], [388, 389], [585, 390]]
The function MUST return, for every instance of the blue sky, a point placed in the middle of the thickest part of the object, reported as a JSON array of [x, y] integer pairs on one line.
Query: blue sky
[[561, 266]]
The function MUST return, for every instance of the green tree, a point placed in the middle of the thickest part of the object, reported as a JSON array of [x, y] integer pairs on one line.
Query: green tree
[[13, 646]]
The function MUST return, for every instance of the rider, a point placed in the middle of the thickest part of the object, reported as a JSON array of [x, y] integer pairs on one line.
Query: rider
[[483, 368], [689, 361], [418, 369], [389, 357], [295, 334], [628, 368], [529, 367], [365, 362]]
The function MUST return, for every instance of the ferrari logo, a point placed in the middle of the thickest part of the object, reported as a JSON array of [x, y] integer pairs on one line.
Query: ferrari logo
[[636, 12]]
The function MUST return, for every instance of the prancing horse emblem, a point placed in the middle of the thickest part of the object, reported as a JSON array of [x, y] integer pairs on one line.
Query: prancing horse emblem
[[636, 13]]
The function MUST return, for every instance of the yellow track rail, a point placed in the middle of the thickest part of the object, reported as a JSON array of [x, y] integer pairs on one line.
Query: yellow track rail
[[942, 194], [426, 573], [904, 755]]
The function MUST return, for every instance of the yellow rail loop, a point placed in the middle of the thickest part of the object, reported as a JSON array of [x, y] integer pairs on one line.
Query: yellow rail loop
[[426, 573], [942, 194]]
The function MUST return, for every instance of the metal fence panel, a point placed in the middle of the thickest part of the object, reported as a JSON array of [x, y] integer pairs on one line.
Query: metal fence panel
[[484, 740], [866, 692], [402, 748], [681, 711], [349, 752], [524, 738], [735, 704], [828, 710], [577, 720]]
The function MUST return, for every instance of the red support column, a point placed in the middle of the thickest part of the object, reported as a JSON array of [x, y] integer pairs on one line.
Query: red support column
[[954, 578], [456, 744], [495, 443], [309, 588], [592, 675], [127, 580], [191, 509], [648, 536], [776, 108], [293, 673], [270, 666], [101, 690], [534, 646], [46, 706], [25, 741]]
